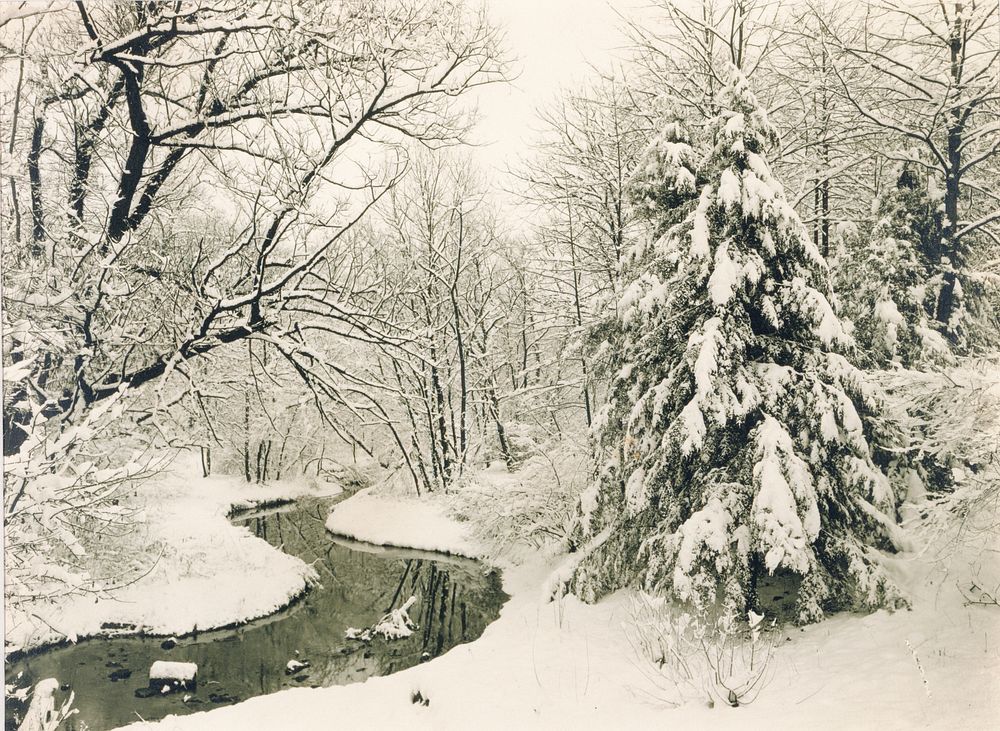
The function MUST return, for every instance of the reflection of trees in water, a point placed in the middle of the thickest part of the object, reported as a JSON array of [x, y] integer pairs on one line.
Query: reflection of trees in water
[[439, 596], [445, 590]]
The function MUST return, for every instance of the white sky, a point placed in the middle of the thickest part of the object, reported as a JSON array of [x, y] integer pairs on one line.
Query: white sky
[[553, 41]]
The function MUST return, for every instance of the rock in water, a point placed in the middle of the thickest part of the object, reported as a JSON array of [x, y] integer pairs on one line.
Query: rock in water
[[223, 698], [295, 666], [173, 675]]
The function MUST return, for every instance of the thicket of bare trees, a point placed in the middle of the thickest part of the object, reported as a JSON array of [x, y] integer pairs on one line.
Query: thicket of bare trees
[[854, 97], [178, 182]]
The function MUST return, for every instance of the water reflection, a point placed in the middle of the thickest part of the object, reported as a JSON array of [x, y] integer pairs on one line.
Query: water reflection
[[456, 599]]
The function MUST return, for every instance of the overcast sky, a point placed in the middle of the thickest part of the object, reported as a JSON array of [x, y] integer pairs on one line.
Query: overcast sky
[[553, 41]]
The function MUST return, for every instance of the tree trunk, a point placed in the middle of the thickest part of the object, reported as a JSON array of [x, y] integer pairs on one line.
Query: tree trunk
[[35, 183], [505, 452], [578, 309], [206, 461], [950, 251], [246, 436]]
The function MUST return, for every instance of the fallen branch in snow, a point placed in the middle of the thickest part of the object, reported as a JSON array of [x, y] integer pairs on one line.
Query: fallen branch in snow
[[978, 595], [393, 626]]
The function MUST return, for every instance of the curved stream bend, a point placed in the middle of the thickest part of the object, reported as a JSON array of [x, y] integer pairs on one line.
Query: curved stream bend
[[456, 600]]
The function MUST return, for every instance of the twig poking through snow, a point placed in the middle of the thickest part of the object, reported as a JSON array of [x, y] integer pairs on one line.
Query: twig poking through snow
[[923, 677]]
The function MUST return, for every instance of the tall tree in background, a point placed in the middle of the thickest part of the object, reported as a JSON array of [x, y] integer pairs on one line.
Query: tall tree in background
[[739, 439], [587, 151], [684, 51], [444, 266], [830, 161], [888, 277]]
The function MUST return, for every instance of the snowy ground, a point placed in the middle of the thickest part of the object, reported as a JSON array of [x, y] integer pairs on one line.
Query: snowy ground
[[208, 574], [569, 665]]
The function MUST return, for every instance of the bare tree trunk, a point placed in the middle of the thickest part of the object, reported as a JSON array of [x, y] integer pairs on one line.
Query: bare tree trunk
[[524, 338], [206, 461], [494, 408], [578, 310], [950, 254], [35, 183], [246, 436], [15, 114], [460, 344], [442, 425]]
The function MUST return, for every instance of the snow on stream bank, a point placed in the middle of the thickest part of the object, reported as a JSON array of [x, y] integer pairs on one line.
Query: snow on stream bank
[[566, 664], [208, 573], [403, 522]]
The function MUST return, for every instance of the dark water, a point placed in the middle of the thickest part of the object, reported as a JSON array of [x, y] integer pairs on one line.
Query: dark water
[[456, 600]]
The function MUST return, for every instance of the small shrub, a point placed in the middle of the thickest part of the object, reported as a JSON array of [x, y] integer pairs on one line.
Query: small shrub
[[691, 657]]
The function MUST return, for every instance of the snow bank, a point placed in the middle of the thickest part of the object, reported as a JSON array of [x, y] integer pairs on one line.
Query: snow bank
[[403, 522], [208, 573], [565, 664], [44, 714]]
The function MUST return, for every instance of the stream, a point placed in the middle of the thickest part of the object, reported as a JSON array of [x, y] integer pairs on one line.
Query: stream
[[456, 600]]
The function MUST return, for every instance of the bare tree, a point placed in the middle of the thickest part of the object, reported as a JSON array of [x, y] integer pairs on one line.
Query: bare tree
[[140, 112], [442, 270], [684, 51], [180, 178]]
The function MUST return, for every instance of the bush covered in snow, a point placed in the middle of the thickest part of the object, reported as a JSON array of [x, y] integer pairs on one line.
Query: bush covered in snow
[[66, 503], [952, 416], [534, 506]]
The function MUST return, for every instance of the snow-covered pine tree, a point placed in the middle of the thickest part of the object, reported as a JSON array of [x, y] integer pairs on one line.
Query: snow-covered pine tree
[[887, 280], [738, 437]]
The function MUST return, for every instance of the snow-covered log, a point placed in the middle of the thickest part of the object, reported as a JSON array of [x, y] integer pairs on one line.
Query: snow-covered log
[[393, 626]]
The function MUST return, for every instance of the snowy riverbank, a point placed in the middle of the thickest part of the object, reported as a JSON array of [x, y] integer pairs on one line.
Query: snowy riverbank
[[208, 573], [566, 664], [404, 522]]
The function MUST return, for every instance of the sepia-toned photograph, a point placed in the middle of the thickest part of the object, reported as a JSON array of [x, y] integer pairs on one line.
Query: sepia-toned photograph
[[500, 364]]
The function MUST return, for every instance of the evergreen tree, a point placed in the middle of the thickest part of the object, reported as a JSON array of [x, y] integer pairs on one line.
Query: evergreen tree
[[888, 280], [737, 436]]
